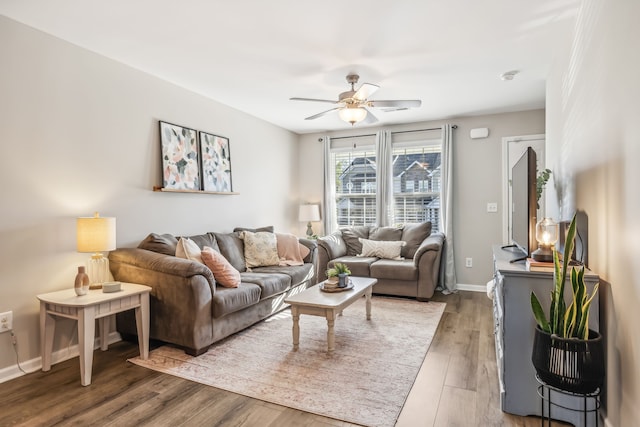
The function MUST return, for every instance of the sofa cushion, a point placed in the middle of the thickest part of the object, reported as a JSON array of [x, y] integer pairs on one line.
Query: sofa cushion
[[230, 300], [160, 243], [270, 284], [223, 272], [351, 235], [359, 266], [394, 269], [188, 249], [385, 233], [268, 228], [414, 234], [260, 249], [381, 248], [298, 273], [206, 239], [232, 248]]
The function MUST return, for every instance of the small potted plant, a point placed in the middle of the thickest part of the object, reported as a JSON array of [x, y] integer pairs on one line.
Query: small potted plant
[[566, 353], [341, 271]]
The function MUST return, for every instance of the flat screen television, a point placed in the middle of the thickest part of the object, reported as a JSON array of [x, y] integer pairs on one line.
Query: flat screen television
[[524, 204]]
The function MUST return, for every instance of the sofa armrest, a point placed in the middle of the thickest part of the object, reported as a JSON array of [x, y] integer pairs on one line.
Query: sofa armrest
[[181, 296], [312, 245], [329, 247], [427, 260], [143, 259], [432, 243]]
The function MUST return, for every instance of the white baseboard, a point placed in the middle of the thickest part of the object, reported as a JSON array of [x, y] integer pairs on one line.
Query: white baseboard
[[11, 372], [472, 288]]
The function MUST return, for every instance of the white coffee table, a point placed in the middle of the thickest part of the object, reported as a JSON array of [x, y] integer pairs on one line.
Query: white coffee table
[[86, 309], [315, 302]]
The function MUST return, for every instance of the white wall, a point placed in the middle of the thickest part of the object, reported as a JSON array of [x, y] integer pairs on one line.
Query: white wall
[[477, 180], [79, 133], [594, 143]]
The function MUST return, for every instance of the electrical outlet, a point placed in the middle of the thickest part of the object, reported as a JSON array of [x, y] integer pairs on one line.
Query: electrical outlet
[[468, 262], [492, 207], [6, 321]]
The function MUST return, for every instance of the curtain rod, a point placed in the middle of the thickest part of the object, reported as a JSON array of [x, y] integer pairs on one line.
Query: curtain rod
[[400, 131]]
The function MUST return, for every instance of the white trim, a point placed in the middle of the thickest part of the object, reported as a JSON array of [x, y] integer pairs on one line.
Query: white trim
[[12, 371], [472, 288]]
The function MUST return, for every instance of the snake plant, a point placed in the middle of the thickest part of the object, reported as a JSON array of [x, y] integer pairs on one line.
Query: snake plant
[[571, 321]]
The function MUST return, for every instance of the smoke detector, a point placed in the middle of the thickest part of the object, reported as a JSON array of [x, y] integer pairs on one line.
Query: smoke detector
[[509, 75]]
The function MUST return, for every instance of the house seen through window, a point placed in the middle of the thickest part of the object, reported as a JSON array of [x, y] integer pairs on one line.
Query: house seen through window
[[416, 184]]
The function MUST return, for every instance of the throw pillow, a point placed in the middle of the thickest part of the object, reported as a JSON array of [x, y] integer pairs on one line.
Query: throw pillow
[[382, 248], [414, 234], [260, 249], [188, 249], [223, 272]]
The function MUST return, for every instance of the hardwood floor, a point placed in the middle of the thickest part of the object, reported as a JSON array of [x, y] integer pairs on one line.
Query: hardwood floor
[[457, 386]]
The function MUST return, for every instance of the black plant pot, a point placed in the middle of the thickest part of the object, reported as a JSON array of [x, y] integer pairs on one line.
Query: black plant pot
[[570, 364]]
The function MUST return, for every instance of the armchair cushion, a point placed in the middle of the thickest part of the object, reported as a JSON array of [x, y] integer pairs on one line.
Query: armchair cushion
[[414, 235], [385, 233], [351, 238]]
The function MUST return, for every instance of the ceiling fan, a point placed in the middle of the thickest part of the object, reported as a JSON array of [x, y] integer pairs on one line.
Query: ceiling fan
[[353, 105]]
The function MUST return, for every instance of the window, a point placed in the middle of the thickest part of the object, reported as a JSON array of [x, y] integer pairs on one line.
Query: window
[[355, 173], [416, 175], [416, 181]]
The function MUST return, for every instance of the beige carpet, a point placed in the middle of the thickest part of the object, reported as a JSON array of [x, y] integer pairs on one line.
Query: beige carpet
[[365, 381]]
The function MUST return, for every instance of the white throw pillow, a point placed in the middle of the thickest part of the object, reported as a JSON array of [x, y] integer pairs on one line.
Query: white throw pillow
[[381, 248], [188, 249], [260, 249]]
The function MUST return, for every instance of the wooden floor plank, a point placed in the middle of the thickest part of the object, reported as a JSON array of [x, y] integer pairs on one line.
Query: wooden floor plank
[[457, 385]]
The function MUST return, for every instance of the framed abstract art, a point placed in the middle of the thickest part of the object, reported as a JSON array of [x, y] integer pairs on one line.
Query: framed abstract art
[[180, 157], [216, 163]]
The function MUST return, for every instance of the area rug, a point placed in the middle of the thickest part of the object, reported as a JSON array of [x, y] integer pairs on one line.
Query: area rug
[[365, 381]]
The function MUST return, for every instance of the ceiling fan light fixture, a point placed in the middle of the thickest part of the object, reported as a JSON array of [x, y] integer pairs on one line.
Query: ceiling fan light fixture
[[352, 115]]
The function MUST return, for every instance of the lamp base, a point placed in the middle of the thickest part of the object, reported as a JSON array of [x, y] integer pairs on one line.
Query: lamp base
[[98, 270], [542, 254], [309, 230]]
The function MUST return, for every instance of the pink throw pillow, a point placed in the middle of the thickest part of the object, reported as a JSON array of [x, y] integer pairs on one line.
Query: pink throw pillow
[[222, 270]]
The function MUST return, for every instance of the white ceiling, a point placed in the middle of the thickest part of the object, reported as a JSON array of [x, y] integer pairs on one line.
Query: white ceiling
[[254, 55]]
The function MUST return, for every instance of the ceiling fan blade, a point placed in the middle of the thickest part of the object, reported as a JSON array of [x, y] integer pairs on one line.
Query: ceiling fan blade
[[365, 91], [313, 100], [398, 103], [370, 117], [315, 116]]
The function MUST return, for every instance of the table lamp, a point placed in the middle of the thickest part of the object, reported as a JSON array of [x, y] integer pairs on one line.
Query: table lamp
[[96, 235], [547, 232], [309, 213]]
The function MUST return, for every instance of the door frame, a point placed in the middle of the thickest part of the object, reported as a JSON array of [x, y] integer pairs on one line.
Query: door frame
[[505, 176]]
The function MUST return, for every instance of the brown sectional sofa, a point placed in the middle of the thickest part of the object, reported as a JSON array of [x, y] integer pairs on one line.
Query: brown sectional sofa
[[188, 308], [415, 275]]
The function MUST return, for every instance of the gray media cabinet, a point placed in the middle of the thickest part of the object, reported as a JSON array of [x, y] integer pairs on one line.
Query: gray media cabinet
[[514, 330]]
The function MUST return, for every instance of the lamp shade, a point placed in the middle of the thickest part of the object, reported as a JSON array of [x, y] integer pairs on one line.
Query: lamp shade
[[309, 213], [352, 114], [96, 233], [547, 232]]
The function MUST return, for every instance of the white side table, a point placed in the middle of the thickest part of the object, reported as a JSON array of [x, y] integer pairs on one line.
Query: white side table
[[86, 309]]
